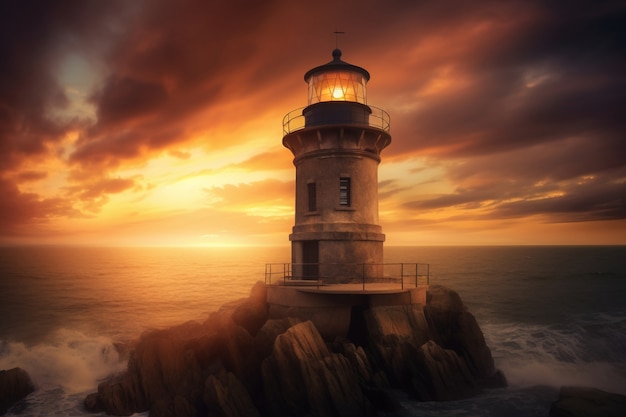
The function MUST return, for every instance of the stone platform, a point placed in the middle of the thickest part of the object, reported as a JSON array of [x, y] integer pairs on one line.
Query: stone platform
[[330, 307]]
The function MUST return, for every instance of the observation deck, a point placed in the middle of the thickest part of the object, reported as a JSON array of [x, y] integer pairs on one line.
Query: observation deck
[[362, 115]]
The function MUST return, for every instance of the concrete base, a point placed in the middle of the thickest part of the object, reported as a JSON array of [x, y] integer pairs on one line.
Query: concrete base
[[330, 307]]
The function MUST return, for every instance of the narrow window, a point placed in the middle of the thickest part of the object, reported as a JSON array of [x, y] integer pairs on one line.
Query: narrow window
[[312, 192], [344, 192]]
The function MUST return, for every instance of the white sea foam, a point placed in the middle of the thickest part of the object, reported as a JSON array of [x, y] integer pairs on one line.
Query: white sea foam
[[70, 360], [534, 355]]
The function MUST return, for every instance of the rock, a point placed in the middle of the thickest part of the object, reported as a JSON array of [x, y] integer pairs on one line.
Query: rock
[[588, 402], [250, 313], [453, 327], [242, 363], [179, 406], [265, 337], [396, 334], [225, 395], [447, 374], [302, 377], [15, 384], [330, 321], [360, 362], [437, 350], [168, 368], [92, 403], [165, 364]]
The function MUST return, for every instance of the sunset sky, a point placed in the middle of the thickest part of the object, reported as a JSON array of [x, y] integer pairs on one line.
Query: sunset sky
[[160, 122]]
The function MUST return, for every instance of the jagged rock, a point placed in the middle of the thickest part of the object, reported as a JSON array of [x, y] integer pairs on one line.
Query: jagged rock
[[302, 377], [265, 337], [178, 406], [453, 327], [588, 402], [373, 382], [396, 333], [360, 363], [92, 403], [436, 350], [168, 368], [447, 374], [250, 313], [15, 384], [241, 363], [226, 396]]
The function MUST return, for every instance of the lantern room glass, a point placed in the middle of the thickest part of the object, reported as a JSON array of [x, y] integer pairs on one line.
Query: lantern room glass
[[337, 86]]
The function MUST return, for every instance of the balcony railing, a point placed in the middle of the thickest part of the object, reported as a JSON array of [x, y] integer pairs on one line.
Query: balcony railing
[[392, 275], [378, 118]]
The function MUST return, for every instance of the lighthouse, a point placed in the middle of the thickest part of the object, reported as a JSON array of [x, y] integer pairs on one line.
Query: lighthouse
[[336, 141]]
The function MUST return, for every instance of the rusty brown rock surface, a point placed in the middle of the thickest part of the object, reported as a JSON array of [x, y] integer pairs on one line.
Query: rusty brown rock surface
[[242, 362]]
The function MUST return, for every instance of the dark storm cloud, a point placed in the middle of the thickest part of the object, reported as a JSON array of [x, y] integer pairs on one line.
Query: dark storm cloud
[[593, 200], [539, 103], [33, 35], [588, 199], [545, 104], [124, 97], [572, 50]]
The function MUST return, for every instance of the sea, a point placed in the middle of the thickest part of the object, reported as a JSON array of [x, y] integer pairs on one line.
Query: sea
[[552, 315]]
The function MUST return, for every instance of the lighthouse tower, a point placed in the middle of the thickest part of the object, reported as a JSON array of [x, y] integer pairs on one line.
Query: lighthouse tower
[[336, 142]]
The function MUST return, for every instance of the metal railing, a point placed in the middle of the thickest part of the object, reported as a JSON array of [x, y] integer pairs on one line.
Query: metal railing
[[402, 275], [378, 118]]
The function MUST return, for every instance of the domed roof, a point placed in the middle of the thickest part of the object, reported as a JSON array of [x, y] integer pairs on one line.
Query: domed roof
[[336, 65]]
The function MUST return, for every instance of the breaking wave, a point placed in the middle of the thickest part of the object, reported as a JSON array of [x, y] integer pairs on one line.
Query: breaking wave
[[585, 351], [63, 369]]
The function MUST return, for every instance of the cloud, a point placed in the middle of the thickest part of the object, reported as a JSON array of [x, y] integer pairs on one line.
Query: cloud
[[18, 209], [254, 194], [520, 105], [124, 97], [541, 75]]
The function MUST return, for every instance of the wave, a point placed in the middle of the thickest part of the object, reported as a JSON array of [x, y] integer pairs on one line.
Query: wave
[[585, 351], [70, 360]]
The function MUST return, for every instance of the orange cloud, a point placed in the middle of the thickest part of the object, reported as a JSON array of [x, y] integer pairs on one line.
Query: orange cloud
[[502, 113]]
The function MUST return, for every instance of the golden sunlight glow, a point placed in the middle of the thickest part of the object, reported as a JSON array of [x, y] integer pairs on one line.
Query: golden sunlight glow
[[271, 211], [444, 80]]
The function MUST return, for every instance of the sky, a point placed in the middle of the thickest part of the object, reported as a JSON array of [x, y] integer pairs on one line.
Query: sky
[[155, 122]]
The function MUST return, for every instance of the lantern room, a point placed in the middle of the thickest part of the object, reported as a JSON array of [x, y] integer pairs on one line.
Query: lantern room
[[337, 81], [337, 93]]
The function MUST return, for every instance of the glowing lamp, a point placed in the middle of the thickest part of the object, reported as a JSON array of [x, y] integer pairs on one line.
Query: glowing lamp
[[337, 81], [338, 94]]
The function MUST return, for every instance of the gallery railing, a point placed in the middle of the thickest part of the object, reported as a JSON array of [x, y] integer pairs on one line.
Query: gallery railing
[[375, 117], [399, 275]]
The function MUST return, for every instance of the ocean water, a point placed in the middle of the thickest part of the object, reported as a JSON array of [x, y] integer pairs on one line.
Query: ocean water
[[552, 316]]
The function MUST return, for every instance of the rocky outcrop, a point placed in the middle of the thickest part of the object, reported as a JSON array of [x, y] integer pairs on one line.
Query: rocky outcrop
[[454, 327], [437, 350], [588, 402], [180, 371], [240, 362], [15, 384], [302, 377]]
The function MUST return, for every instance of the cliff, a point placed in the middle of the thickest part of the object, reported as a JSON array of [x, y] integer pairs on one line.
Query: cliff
[[242, 362]]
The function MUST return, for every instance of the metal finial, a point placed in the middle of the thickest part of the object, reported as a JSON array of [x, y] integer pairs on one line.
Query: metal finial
[[337, 33]]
